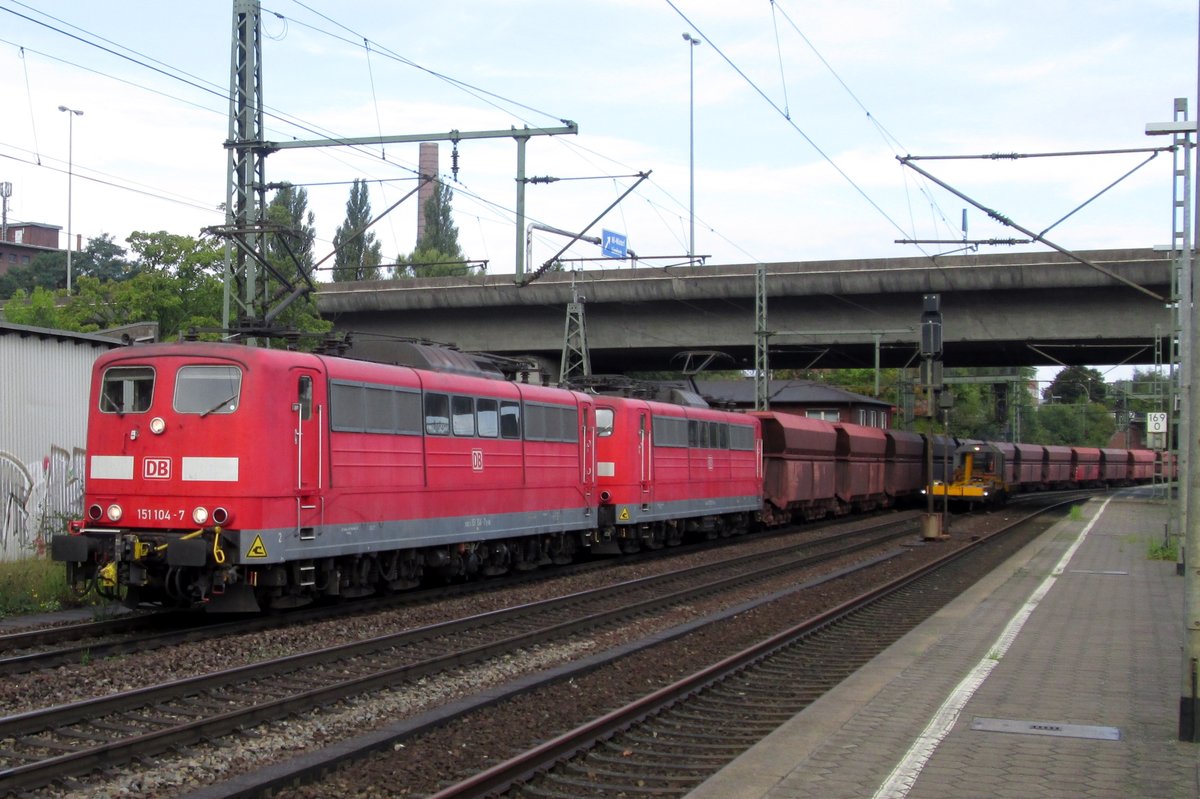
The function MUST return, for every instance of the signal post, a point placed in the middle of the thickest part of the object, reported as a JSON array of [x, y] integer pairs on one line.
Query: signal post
[[931, 379]]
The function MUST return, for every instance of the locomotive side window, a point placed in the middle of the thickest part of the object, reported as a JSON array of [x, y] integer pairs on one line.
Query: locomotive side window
[[671, 432], [604, 422], [510, 419], [462, 414], [207, 389], [437, 414], [380, 410], [127, 389], [571, 425], [487, 417], [408, 412], [362, 408], [550, 423], [741, 437], [535, 423], [346, 407], [568, 419], [304, 397]]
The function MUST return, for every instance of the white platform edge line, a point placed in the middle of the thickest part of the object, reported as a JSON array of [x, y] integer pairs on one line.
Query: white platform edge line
[[906, 772]]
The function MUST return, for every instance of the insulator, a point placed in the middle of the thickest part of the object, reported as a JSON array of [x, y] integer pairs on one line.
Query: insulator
[[454, 161]]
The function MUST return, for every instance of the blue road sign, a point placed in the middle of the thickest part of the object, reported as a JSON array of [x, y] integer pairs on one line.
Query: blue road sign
[[613, 245]]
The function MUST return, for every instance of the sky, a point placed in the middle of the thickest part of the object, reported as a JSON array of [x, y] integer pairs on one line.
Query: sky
[[797, 110]]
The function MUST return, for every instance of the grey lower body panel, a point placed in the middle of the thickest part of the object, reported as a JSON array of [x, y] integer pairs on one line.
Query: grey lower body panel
[[683, 509], [261, 547]]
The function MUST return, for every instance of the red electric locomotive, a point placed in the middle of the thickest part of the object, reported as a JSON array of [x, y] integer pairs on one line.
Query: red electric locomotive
[[666, 470], [237, 477]]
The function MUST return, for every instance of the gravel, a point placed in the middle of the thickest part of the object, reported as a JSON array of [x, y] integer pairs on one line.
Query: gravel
[[414, 767]]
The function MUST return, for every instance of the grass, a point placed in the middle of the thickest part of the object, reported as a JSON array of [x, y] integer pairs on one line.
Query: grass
[[1075, 514], [36, 585], [1163, 550]]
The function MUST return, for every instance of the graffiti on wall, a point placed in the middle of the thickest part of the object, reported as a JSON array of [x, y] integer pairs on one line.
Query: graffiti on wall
[[38, 499]]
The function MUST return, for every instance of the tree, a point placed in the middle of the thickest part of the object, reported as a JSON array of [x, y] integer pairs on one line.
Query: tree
[[1076, 384], [438, 253], [290, 252], [47, 270], [176, 283], [859, 380], [974, 413], [103, 259], [1086, 424], [288, 210], [358, 253], [36, 309], [1146, 391]]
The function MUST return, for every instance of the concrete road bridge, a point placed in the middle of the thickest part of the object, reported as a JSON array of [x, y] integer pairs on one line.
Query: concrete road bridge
[[1007, 309]]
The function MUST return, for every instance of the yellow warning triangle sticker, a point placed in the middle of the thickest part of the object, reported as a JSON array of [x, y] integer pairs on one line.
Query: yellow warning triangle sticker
[[624, 515], [257, 549]]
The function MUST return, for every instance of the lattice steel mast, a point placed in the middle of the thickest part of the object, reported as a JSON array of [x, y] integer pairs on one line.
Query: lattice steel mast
[[246, 187]]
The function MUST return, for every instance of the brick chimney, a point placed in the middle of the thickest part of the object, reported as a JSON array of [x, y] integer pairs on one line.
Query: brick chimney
[[428, 167]]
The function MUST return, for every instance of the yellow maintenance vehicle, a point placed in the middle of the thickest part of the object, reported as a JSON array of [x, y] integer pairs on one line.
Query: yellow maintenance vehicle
[[979, 476]]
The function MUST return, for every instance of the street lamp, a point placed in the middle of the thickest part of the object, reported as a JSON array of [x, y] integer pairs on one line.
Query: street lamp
[[71, 114], [692, 42]]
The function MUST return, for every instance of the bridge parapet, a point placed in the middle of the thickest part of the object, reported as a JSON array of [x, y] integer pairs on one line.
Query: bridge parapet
[[1007, 271], [1000, 309]]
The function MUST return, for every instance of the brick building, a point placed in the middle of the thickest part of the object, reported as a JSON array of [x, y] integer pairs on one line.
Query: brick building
[[23, 242]]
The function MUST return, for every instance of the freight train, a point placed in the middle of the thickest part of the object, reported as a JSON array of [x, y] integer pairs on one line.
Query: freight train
[[236, 478]]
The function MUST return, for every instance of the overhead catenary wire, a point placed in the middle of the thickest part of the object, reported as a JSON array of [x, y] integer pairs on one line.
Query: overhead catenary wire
[[140, 59], [471, 89], [891, 140], [158, 194], [146, 192], [463, 85], [658, 194], [154, 65], [1006, 221], [29, 96], [792, 123]]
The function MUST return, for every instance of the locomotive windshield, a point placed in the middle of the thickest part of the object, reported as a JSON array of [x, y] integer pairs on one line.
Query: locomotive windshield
[[127, 389], [207, 389]]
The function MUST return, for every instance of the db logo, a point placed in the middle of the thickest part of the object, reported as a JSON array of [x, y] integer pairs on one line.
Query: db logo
[[477, 460], [156, 468]]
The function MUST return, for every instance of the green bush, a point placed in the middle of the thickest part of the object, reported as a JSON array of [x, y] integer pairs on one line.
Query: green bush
[[36, 585]]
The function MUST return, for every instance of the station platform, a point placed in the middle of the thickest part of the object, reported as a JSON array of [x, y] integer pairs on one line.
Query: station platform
[[1056, 676]]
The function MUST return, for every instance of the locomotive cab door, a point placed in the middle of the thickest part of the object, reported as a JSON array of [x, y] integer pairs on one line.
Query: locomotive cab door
[[645, 459], [587, 454], [308, 414]]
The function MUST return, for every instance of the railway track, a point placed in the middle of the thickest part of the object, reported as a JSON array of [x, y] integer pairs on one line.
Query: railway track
[[130, 633], [46, 745], [669, 741], [420, 757]]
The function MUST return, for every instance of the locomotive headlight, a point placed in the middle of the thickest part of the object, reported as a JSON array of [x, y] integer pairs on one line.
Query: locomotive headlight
[[157, 425], [200, 515], [114, 512]]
